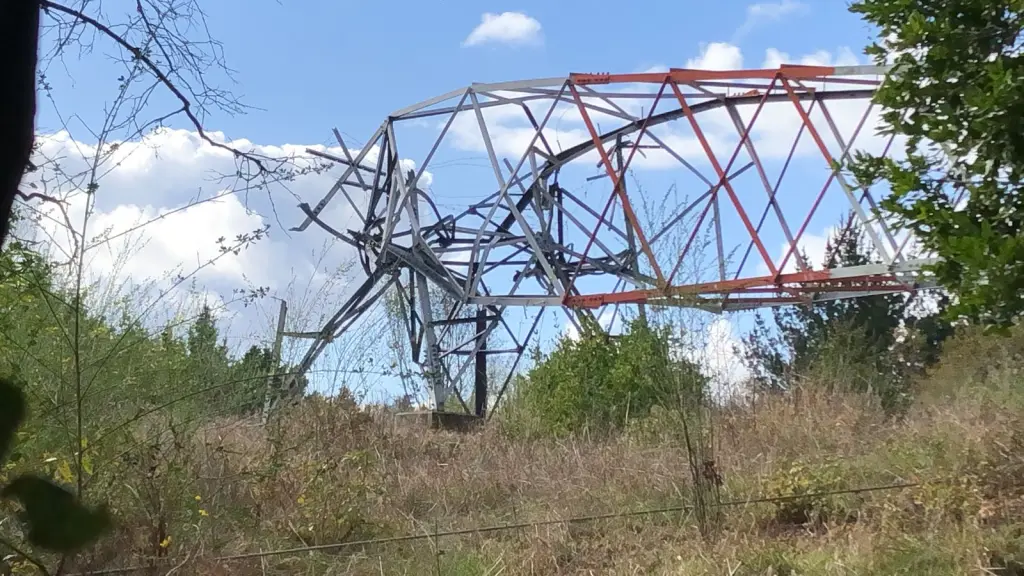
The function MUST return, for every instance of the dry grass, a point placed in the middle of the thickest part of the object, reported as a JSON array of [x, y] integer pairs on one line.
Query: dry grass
[[328, 473]]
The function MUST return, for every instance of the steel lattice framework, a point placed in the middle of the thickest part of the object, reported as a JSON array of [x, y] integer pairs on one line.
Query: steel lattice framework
[[530, 242]]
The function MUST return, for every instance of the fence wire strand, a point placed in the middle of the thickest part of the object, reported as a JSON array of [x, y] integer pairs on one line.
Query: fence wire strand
[[497, 528]]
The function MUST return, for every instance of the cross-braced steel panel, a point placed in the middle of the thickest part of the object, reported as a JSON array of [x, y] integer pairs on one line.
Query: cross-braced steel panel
[[530, 241]]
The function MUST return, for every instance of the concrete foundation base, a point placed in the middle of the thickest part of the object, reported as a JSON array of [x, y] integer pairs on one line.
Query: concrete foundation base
[[432, 420]]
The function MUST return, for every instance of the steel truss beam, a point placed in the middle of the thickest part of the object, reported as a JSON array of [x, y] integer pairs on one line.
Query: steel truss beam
[[532, 242]]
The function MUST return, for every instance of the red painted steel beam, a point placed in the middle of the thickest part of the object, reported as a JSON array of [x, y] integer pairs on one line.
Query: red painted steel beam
[[617, 189], [723, 178], [773, 288], [806, 282], [684, 75]]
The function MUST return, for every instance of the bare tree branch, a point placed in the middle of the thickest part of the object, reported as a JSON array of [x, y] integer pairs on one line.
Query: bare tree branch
[[140, 55]]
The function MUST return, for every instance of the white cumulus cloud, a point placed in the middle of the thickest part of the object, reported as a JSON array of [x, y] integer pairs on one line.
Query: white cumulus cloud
[[765, 13], [162, 198], [160, 210], [722, 360], [717, 56], [513, 28], [773, 58]]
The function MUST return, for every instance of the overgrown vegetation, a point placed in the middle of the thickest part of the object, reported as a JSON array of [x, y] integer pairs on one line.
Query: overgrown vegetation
[[104, 407], [957, 94], [880, 439], [597, 383], [878, 343], [192, 481]]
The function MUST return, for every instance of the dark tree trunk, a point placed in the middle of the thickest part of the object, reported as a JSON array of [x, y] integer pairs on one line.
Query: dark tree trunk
[[19, 43]]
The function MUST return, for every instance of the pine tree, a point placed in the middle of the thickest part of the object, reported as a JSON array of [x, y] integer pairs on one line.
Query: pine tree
[[208, 362], [858, 336]]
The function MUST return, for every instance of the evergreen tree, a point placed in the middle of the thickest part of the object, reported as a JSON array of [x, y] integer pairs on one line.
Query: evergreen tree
[[855, 340], [250, 376], [202, 337], [256, 374], [229, 386], [208, 363]]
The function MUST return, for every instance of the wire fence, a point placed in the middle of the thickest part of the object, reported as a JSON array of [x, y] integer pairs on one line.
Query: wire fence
[[436, 535]]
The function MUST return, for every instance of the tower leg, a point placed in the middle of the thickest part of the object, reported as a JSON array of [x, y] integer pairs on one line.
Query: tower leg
[[434, 372], [480, 377]]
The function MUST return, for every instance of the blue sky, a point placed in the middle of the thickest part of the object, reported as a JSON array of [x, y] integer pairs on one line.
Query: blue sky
[[352, 63], [319, 63], [348, 65]]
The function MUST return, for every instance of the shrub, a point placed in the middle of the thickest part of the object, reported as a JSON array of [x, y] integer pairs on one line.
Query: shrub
[[597, 383], [803, 490]]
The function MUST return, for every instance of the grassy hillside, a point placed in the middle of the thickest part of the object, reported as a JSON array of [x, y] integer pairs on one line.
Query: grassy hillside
[[187, 492], [163, 428]]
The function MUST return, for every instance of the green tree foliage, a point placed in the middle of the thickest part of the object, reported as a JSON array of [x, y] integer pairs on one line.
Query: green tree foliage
[[251, 375], [105, 396], [208, 359], [804, 330], [52, 515], [202, 341], [599, 382], [851, 341], [236, 386], [957, 93]]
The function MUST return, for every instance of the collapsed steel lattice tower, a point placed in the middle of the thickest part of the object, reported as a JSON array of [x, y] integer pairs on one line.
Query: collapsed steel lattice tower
[[530, 242]]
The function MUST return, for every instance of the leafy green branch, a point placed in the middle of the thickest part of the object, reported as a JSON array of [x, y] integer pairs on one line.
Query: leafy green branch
[[53, 517]]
